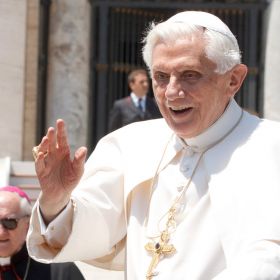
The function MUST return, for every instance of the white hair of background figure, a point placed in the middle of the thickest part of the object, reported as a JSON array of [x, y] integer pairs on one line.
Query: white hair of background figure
[[25, 206], [221, 45]]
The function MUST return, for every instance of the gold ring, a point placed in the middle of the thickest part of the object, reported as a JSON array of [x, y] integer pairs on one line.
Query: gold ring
[[35, 151]]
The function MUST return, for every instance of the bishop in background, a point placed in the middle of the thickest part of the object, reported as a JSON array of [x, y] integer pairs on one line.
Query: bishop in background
[[15, 263]]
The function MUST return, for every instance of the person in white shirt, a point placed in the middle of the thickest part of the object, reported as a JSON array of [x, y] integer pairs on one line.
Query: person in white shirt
[[194, 195]]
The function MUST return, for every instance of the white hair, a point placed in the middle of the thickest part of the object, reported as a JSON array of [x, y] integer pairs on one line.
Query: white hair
[[221, 46], [25, 206]]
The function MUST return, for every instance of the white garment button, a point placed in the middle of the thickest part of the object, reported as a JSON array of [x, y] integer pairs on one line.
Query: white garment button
[[185, 168], [189, 152], [180, 188]]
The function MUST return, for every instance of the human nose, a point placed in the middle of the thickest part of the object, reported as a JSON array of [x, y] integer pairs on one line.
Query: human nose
[[146, 84], [2, 229], [174, 90]]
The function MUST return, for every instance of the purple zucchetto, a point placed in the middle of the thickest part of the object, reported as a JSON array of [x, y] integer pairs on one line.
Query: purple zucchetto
[[17, 190]]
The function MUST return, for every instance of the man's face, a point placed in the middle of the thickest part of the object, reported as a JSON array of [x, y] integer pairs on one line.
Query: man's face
[[140, 85], [190, 95], [11, 241]]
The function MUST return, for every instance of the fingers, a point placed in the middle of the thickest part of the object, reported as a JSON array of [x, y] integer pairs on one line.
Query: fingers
[[51, 143], [40, 162], [46, 140], [80, 154], [79, 160], [54, 139], [53, 146], [41, 152], [46, 148], [61, 136]]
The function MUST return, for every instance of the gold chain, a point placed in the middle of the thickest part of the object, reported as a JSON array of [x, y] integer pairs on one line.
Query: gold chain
[[162, 248]]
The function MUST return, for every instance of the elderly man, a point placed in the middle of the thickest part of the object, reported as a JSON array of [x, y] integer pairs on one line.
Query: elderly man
[[15, 264], [138, 106], [195, 195]]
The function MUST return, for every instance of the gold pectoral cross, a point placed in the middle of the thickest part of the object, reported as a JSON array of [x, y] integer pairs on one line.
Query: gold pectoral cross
[[159, 249]]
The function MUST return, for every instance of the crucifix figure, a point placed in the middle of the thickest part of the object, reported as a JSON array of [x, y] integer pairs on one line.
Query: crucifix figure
[[159, 249]]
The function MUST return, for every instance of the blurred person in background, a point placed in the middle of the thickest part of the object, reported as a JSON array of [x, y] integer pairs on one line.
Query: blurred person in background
[[138, 106], [15, 264]]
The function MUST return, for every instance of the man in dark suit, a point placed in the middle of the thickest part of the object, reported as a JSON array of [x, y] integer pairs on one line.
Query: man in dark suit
[[136, 107]]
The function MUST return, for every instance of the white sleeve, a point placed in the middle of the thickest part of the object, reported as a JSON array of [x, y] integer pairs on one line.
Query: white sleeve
[[57, 232], [94, 223], [260, 262]]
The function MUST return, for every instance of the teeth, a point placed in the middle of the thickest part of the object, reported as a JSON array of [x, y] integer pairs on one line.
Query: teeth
[[179, 108]]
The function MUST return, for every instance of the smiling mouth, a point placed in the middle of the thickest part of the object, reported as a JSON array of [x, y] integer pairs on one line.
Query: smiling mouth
[[180, 109], [4, 241]]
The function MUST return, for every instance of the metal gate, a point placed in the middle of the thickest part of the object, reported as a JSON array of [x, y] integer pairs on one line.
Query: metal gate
[[117, 31]]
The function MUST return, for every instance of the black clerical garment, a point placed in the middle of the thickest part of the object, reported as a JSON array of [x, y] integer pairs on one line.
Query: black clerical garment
[[37, 270]]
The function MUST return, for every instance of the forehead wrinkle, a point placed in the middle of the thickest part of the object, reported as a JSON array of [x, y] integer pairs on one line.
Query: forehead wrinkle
[[9, 203], [184, 53], [186, 63]]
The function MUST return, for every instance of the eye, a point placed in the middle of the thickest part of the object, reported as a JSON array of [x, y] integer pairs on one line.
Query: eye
[[191, 76], [161, 77]]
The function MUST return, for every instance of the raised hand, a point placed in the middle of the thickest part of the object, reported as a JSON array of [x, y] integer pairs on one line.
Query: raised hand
[[58, 174]]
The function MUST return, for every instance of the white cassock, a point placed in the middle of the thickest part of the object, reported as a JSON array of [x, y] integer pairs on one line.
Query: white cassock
[[228, 220]]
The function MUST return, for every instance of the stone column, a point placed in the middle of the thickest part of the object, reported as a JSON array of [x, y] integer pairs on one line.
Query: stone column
[[68, 70], [12, 73], [31, 70], [272, 64]]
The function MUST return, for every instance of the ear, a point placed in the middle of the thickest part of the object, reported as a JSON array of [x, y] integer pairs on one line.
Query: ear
[[27, 222], [237, 76], [131, 84]]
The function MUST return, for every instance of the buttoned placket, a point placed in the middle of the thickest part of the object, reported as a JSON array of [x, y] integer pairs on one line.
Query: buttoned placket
[[172, 180]]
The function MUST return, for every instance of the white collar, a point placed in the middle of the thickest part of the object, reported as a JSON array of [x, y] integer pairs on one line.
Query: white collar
[[216, 131], [135, 98], [5, 261]]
